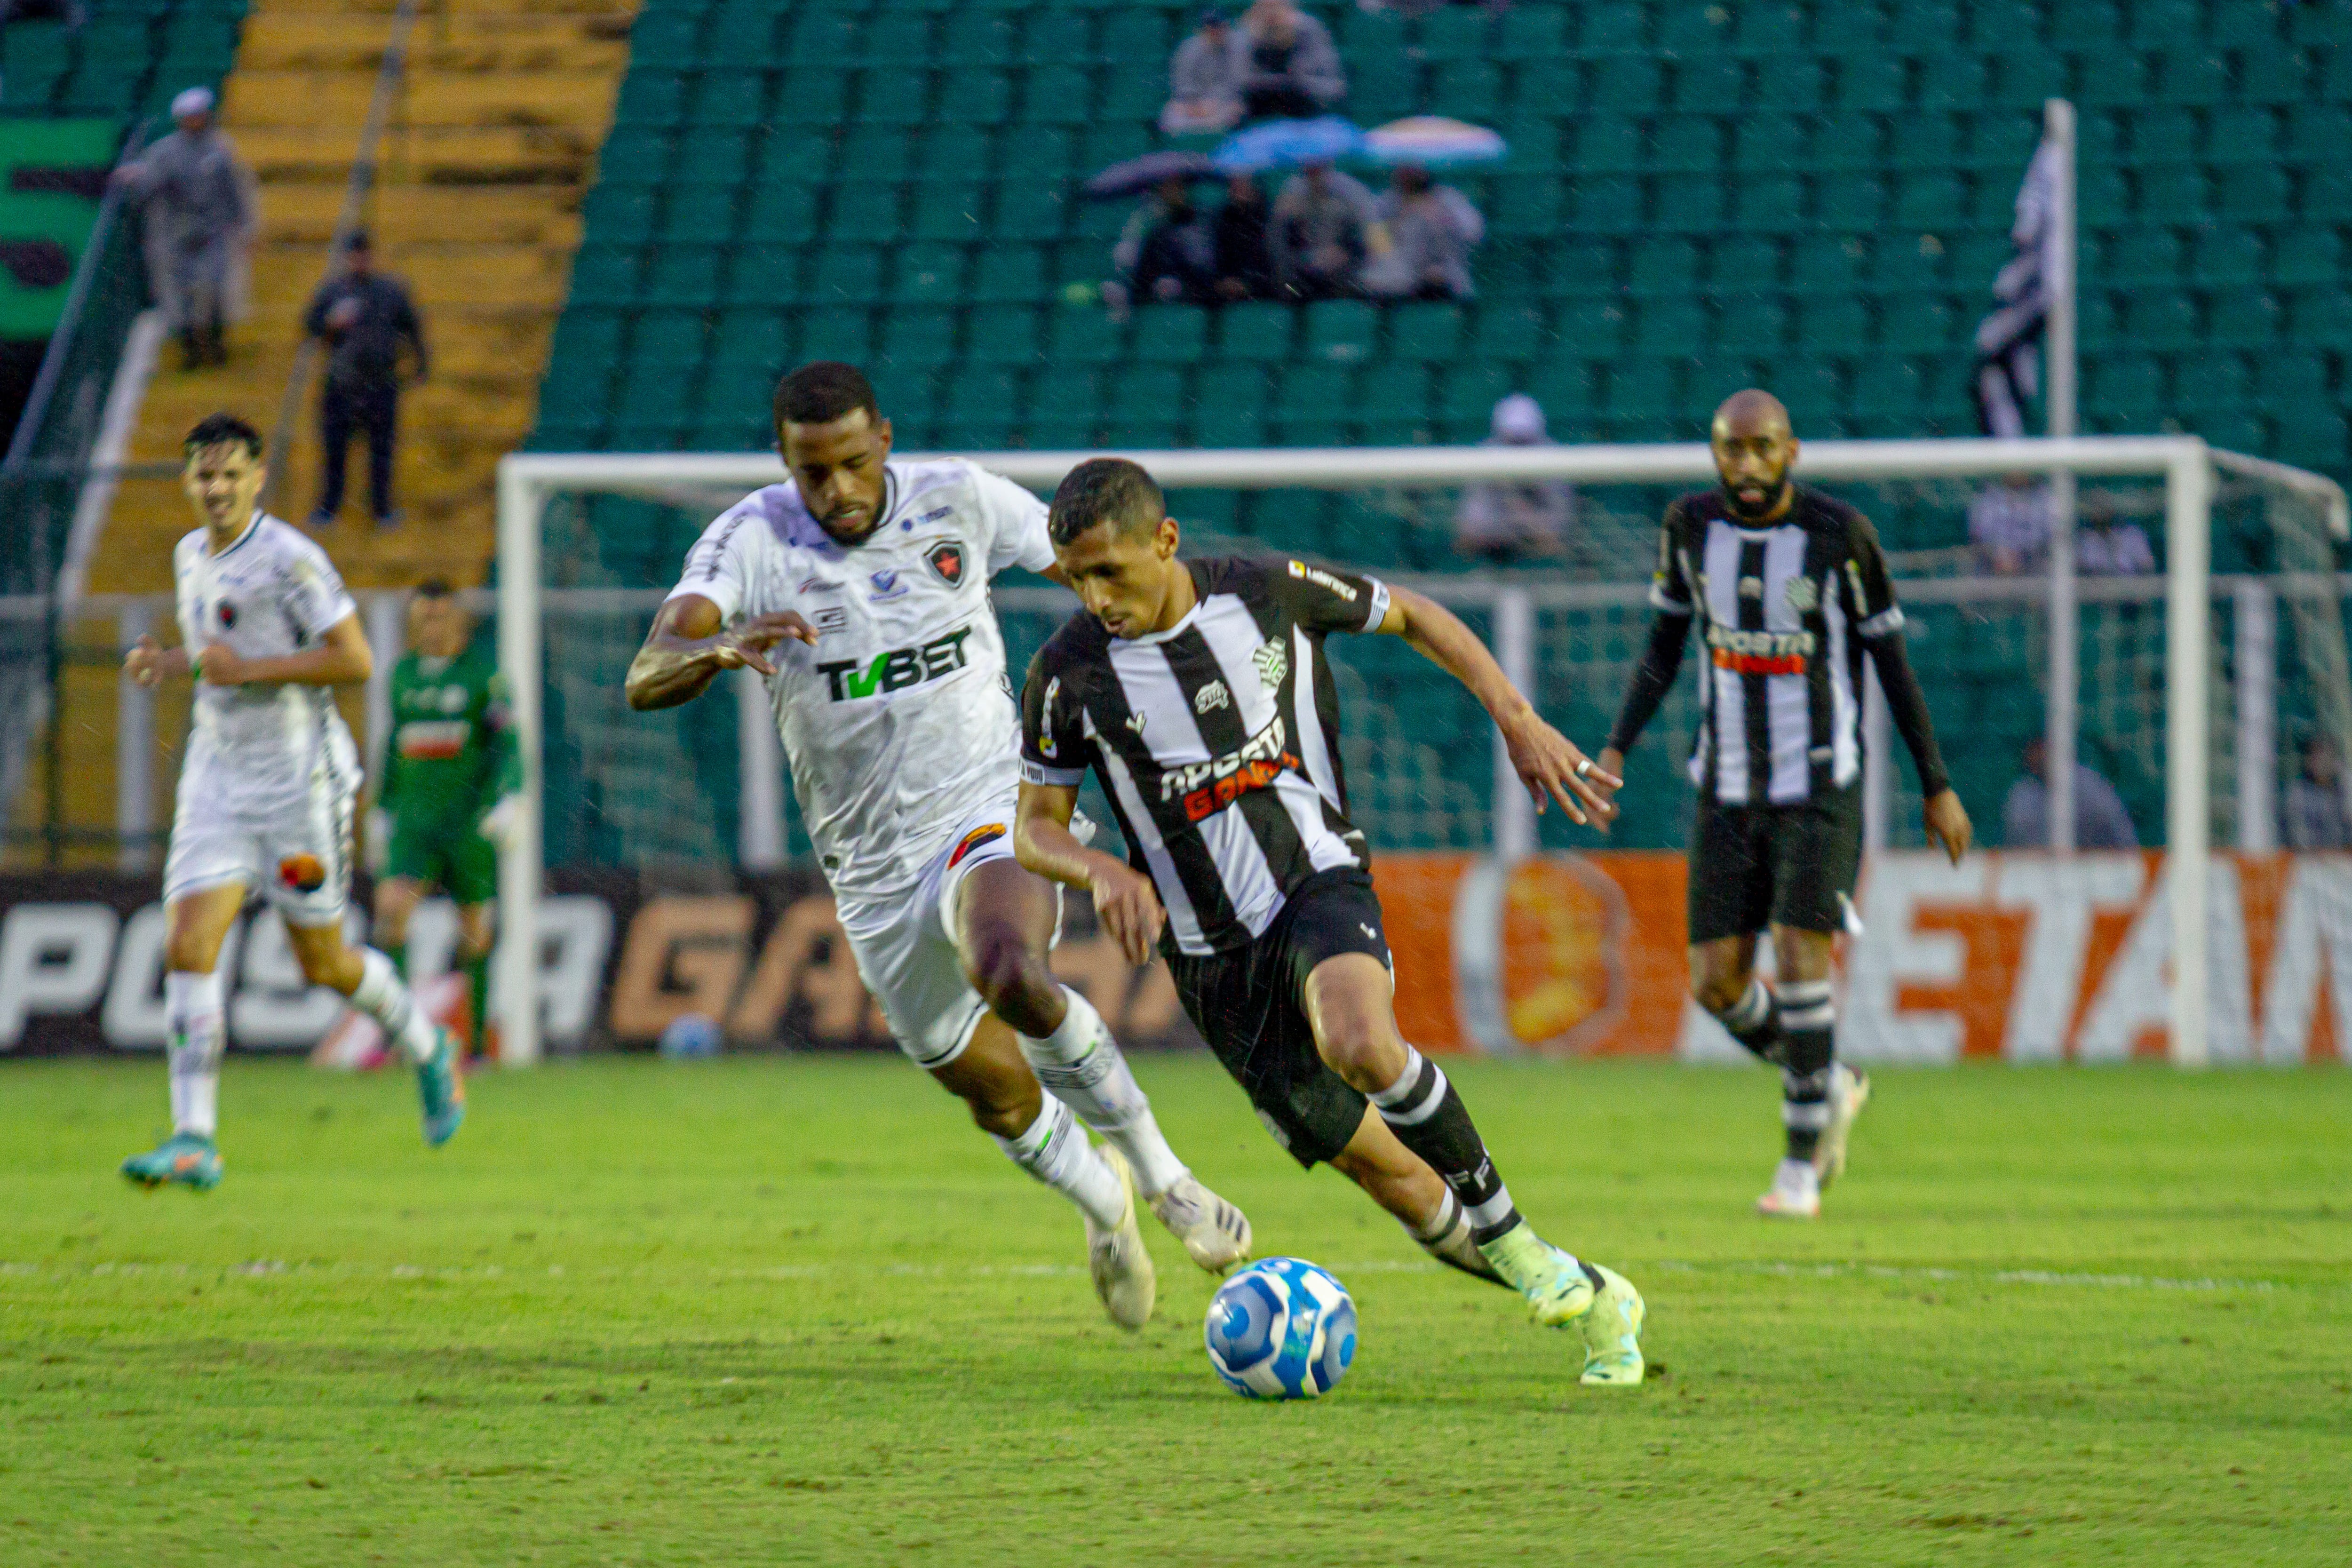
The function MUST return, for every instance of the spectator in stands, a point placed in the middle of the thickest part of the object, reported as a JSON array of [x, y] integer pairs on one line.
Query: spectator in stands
[[199, 206], [365, 319], [2100, 820], [1325, 226], [1245, 243], [1431, 230], [1290, 66], [1204, 80], [2009, 523], [2106, 546], [1168, 253], [2315, 817], [1523, 521]]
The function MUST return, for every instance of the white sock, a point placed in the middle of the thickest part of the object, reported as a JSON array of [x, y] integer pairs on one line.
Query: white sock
[[1083, 1064], [1056, 1152], [198, 1032], [383, 996]]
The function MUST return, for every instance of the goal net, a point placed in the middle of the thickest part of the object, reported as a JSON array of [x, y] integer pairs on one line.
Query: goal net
[[2196, 686]]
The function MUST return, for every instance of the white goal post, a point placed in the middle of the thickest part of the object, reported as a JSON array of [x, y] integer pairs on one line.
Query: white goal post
[[2185, 464]]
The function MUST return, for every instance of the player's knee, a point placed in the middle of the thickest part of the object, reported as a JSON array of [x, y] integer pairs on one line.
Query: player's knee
[[1718, 992], [1000, 1107], [1014, 980], [1367, 1055]]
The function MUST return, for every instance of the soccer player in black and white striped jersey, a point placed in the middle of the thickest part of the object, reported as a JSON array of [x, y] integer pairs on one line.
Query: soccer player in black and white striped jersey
[[1788, 589], [1198, 691]]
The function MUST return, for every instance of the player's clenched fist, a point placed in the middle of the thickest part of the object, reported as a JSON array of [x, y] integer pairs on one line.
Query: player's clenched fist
[[149, 661], [746, 647], [1127, 908]]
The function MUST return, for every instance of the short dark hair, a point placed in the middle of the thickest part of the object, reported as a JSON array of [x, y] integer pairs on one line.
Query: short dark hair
[[822, 391], [356, 240], [214, 430], [1104, 489], [434, 588]]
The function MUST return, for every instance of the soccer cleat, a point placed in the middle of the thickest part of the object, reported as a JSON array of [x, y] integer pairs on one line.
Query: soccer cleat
[[1122, 1269], [1849, 1093], [187, 1158], [1611, 1327], [1215, 1234], [1795, 1192], [441, 1090]]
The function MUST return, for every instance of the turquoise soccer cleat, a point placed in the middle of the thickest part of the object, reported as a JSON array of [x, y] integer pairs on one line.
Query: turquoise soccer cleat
[[1611, 1327], [441, 1090], [187, 1158]]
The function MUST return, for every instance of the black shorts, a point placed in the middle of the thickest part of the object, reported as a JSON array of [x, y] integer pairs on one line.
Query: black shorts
[[1757, 865], [1250, 1005]]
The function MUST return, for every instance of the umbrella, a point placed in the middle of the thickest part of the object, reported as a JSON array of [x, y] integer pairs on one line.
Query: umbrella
[[1287, 143], [1434, 141], [1137, 175]]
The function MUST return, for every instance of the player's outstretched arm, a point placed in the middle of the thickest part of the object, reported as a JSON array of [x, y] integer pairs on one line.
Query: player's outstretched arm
[[341, 658], [1547, 761], [1654, 677], [688, 648], [1125, 901]]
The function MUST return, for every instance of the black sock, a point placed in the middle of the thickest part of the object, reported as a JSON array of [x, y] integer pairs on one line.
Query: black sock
[[1753, 1023], [1429, 1118], [1808, 1029]]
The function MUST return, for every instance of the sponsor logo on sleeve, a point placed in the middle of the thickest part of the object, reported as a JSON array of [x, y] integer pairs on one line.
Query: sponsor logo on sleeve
[[1045, 741], [1322, 579], [973, 840]]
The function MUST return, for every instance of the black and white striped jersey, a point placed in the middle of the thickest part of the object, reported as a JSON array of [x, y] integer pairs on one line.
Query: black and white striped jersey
[[1217, 740], [1783, 610]]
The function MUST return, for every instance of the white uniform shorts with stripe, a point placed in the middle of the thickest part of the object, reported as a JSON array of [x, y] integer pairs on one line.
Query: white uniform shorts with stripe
[[292, 844], [906, 945]]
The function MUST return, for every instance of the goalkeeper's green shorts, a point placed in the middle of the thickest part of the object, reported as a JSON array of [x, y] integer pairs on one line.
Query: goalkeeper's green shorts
[[446, 851]]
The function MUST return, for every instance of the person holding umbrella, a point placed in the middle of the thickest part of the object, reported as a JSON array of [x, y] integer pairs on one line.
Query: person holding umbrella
[[1167, 252], [1326, 224], [1431, 230]]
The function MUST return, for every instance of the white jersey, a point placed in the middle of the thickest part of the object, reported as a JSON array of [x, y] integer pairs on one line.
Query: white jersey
[[901, 718], [270, 594]]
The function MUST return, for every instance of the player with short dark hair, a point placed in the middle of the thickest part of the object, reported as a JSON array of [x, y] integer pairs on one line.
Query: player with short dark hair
[[446, 792], [1788, 589], [859, 589], [1198, 692], [267, 786]]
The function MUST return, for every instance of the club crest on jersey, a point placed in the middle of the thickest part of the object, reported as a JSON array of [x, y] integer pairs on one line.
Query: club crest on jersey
[[973, 840], [1272, 662], [1212, 695], [228, 612], [887, 585], [1801, 595], [947, 559]]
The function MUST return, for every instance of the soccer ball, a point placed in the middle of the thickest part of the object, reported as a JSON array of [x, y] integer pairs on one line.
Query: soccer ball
[[1281, 1328]]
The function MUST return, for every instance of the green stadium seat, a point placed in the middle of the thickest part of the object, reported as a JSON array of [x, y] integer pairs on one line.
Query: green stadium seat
[[866, 213], [2175, 193], [1626, 84], [752, 334], [895, 39], [1688, 144], [1065, 407], [1670, 327], [1604, 204], [978, 37], [1847, 142], [1393, 402], [711, 157], [835, 333], [1608, 144], [1029, 209], [1343, 332], [1426, 334], [2193, 76], [633, 155], [2322, 317], [1467, 402], [1874, 83], [1813, 387], [2289, 379], [1750, 321], [1506, 332], [1532, 32], [1004, 335], [1951, 78], [1129, 35], [1465, 89], [1170, 334], [1313, 406], [1547, 85], [729, 98], [1593, 329], [605, 275], [1083, 337], [1458, 33], [1534, 143], [956, 153], [2249, 134], [2243, 318], [2251, 193], [1769, 204], [2161, 319], [1638, 389], [928, 275], [781, 214], [1825, 264], [812, 98], [895, 95], [665, 40], [657, 393], [953, 211], [1229, 406], [1009, 273], [847, 274], [1661, 267], [1615, 26], [2310, 256], [1856, 202], [1928, 201], [650, 98], [1687, 204], [1708, 84], [619, 209], [917, 339], [685, 275], [1147, 405], [667, 337], [1920, 324], [1255, 333], [703, 214], [984, 409], [1056, 95], [1836, 321], [1768, 28], [1382, 87], [1131, 95], [818, 36], [1100, 146], [975, 96], [2274, 76], [866, 157]]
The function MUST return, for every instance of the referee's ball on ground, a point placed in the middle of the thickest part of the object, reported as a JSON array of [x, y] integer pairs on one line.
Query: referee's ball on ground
[[1281, 1328]]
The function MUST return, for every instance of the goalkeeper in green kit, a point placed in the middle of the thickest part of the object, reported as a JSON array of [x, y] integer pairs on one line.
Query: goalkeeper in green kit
[[445, 798]]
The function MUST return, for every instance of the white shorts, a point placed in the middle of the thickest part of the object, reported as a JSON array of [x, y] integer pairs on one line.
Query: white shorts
[[905, 946], [293, 844]]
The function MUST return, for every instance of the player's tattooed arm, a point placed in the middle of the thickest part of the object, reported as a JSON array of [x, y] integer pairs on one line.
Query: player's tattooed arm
[[1125, 901], [150, 661], [690, 644], [1548, 762], [341, 657]]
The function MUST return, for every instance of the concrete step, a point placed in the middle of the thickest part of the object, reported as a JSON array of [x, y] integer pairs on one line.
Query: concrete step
[[459, 272], [448, 154], [256, 99], [463, 42], [306, 211]]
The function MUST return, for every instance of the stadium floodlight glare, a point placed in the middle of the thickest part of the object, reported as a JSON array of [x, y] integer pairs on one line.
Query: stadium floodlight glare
[[2185, 465]]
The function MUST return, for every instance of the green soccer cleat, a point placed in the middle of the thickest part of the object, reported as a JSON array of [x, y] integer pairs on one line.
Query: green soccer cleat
[[1611, 1327], [187, 1158], [441, 1090]]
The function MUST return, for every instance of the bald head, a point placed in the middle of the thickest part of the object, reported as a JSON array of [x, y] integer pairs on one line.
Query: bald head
[[1753, 448], [1751, 412]]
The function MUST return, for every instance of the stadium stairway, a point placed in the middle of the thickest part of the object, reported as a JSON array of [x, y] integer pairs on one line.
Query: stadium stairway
[[476, 204]]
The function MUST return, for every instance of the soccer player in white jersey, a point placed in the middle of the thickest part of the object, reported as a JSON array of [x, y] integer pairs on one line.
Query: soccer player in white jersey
[[859, 589], [267, 789]]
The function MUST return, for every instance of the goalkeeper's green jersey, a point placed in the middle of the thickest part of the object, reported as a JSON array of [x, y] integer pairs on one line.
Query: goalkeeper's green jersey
[[453, 749]]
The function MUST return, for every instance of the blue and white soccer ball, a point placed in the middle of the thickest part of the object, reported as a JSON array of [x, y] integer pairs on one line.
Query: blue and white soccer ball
[[1281, 1328]]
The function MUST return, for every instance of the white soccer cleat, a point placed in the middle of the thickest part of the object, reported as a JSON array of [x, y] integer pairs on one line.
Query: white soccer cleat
[[1122, 1269], [1215, 1234], [1849, 1093], [1795, 1192]]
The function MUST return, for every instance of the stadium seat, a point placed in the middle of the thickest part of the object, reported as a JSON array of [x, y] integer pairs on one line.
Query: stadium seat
[[1229, 406], [1257, 332], [700, 214], [1426, 335], [952, 211], [1313, 408], [1084, 336], [1343, 332]]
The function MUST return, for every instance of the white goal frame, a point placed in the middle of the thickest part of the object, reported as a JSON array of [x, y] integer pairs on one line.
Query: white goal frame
[[2185, 464]]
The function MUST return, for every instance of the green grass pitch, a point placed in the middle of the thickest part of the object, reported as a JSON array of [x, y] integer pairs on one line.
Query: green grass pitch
[[796, 1310]]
